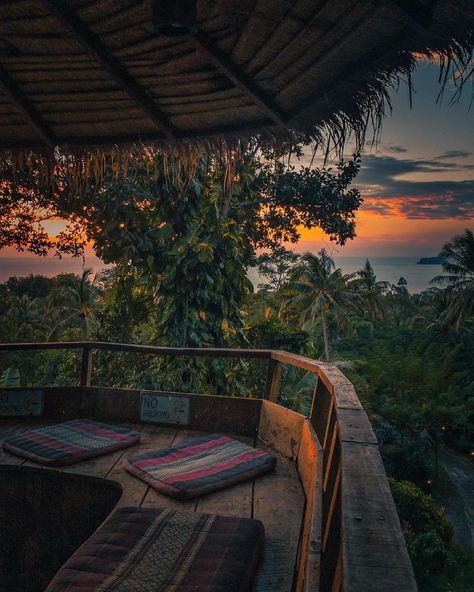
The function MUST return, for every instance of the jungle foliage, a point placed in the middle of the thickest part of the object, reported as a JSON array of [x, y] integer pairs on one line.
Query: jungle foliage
[[180, 255]]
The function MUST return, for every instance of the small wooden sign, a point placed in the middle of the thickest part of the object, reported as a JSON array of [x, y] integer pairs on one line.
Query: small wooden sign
[[164, 408], [21, 403]]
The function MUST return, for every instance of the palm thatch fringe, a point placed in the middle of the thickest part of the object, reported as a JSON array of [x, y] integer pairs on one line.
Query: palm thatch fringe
[[367, 98]]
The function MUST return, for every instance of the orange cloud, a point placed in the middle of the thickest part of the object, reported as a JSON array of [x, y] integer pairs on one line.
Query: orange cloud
[[387, 235]]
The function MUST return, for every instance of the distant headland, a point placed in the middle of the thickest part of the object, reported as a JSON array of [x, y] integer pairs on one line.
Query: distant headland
[[431, 261]]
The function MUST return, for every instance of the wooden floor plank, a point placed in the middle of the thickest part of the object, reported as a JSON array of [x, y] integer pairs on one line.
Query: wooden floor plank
[[134, 490], [233, 501], [279, 504], [276, 499], [98, 466]]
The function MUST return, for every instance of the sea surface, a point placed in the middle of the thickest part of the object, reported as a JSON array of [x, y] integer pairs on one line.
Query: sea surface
[[49, 266], [388, 269], [391, 269]]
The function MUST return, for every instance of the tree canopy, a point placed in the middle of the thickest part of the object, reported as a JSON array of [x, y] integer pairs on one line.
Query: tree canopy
[[458, 265], [264, 192], [189, 238]]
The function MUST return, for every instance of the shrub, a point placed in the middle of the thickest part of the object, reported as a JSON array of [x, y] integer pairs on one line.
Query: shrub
[[275, 334], [405, 458], [427, 532]]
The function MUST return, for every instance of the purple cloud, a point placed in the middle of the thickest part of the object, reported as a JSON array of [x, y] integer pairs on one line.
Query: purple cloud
[[386, 194]]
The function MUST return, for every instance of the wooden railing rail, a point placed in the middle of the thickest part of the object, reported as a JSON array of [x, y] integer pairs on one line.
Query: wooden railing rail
[[362, 548], [89, 346]]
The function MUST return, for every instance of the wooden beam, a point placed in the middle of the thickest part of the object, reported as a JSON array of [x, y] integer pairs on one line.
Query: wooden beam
[[142, 349], [25, 107], [203, 44], [93, 43]]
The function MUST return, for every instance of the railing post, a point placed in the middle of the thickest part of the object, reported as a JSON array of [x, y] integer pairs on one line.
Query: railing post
[[321, 407], [86, 366], [272, 385]]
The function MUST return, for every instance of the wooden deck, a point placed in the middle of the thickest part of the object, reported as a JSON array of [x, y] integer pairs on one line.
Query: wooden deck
[[277, 499]]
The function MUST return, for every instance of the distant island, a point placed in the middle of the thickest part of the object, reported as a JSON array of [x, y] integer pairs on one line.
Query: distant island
[[431, 261]]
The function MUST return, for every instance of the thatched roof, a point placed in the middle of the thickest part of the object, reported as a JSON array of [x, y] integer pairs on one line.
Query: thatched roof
[[95, 72]]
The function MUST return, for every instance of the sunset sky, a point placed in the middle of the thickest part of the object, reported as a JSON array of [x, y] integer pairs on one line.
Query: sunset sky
[[417, 184]]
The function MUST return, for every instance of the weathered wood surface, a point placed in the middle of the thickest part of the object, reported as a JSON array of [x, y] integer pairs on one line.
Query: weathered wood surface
[[310, 469], [346, 437], [373, 537], [360, 526], [279, 503], [86, 367], [63, 403], [225, 414], [45, 515], [208, 413], [135, 490], [296, 360], [211, 352], [273, 382], [277, 498], [280, 428]]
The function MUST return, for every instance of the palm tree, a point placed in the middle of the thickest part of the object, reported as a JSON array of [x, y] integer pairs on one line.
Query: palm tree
[[458, 256], [23, 319], [365, 283], [73, 302], [322, 290]]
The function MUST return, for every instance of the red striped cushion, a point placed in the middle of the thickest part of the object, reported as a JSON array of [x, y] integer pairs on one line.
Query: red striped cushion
[[69, 442], [200, 465], [156, 550]]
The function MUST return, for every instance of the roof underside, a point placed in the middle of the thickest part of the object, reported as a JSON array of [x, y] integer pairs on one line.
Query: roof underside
[[94, 72]]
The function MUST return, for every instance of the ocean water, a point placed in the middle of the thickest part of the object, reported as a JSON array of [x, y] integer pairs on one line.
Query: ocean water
[[391, 269], [388, 269], [49, 266]]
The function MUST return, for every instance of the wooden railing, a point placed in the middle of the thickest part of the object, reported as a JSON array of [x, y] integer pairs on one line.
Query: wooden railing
[[361, 547]]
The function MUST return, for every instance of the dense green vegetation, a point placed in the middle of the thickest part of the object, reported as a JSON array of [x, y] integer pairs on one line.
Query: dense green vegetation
[[180, 254], [181, 246]]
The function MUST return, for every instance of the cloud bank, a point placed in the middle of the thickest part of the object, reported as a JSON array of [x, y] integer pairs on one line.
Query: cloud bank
[[387, 192]]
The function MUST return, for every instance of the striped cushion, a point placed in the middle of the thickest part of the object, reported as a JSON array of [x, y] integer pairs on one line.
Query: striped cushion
[[69, 442], [156, 550], [200, 465]]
